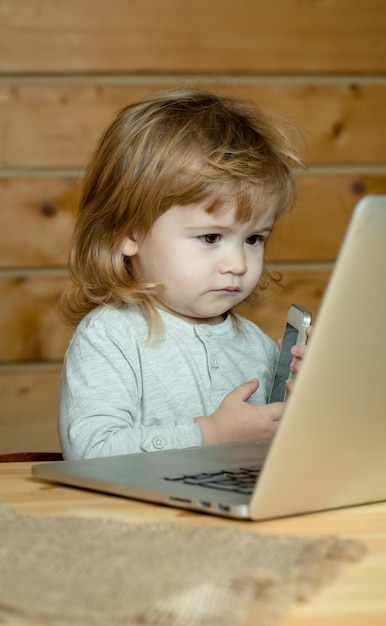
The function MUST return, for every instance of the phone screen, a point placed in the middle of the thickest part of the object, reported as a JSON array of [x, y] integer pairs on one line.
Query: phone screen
[[283, 367]]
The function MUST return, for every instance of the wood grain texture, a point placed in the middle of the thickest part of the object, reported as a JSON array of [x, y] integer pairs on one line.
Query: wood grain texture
[[31, 430], [314, 230], [46, 208], [30, 325], [66, 68], [29, 409], [221, 36], [23, 387], [37, 217], [29, 395], [56, 125], [31, 329]]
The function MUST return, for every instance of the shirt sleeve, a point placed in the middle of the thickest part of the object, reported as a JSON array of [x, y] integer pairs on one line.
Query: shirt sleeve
[[100, 399]]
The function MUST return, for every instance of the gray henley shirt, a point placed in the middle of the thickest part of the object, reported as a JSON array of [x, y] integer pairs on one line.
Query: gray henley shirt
[[121, 393]]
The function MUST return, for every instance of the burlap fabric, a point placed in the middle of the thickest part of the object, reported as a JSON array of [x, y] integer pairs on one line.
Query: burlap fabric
[[66, 571]]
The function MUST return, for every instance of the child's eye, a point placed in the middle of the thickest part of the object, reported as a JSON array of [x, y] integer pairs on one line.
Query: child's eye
[[210, 238], [252, 240]]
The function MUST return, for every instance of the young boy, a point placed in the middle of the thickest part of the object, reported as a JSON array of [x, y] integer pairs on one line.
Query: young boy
[[181, 196]]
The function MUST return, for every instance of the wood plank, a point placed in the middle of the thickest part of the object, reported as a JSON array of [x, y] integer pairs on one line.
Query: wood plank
[[33, 430], [315, 229], [29, 395], [218, 36], [29, 409], [46, 207], [31, 329], [24, 388], [30, 325], [56, 125]]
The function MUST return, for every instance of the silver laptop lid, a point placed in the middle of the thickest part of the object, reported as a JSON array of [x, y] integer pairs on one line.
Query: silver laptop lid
[[330, 450]]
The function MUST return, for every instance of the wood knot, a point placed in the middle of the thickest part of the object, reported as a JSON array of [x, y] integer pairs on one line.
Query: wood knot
[[48, 208], [337, 129], [359, 187]]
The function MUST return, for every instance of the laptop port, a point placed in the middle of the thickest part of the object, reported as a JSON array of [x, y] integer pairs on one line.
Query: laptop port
[[177, 499], [223, 508], [204, 504]]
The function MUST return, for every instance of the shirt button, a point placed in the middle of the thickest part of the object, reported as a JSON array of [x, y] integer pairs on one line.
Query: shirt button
[[208, 331], [215, 362], [158, 442]]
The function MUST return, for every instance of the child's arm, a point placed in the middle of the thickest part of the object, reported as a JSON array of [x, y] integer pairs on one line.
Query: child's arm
[[237, 420], [101, 401], [252, 421]]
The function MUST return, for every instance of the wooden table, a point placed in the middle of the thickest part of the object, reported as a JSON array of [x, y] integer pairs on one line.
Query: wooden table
[[357, 598]]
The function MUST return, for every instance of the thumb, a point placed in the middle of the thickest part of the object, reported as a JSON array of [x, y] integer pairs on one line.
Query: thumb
[[243, 392]]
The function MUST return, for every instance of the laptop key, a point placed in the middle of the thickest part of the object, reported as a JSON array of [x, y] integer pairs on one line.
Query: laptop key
[[184, 477], [239, 480]]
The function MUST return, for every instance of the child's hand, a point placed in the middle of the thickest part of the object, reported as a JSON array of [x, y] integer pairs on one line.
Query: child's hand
[[236, 420], [298, 353]]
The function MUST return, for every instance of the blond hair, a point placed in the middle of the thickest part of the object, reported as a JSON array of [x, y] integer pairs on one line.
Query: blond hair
[[180, 147]]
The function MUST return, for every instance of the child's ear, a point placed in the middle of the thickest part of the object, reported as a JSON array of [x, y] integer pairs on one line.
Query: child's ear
[[129, 246]]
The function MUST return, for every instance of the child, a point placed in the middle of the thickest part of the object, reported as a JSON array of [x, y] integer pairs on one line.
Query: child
[[180, 198]]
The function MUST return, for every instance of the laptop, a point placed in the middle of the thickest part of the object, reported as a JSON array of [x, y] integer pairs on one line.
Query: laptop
[[330, 448]]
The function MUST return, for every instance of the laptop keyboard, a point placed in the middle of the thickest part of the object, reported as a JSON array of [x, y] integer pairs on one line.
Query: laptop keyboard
[[238, 480]]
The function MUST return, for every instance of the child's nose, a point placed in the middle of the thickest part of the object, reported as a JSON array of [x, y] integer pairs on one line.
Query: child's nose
[[234, 263]]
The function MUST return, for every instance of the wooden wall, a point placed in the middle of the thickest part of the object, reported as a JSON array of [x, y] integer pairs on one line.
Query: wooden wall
[[66, 67]]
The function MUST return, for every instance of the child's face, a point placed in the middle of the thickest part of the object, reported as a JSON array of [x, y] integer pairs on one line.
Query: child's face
[[207, 263]]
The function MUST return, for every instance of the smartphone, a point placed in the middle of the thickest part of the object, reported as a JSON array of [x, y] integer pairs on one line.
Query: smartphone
[[298, 320]]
